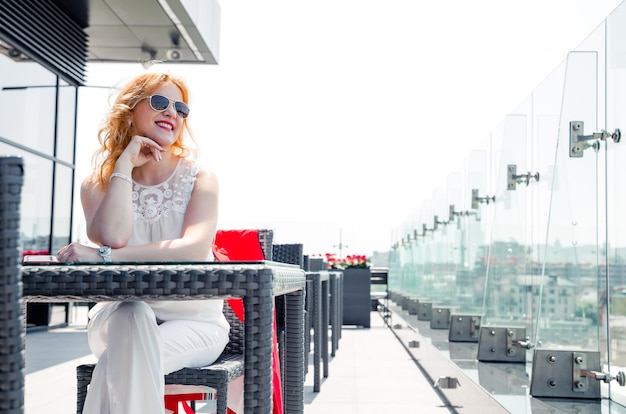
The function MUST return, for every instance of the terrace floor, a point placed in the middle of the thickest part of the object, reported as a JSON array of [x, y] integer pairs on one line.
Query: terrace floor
[[370, 373], [375, 370]]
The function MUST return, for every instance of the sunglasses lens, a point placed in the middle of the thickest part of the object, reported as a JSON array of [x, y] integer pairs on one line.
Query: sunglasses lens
[[159, 102], [181, 109]]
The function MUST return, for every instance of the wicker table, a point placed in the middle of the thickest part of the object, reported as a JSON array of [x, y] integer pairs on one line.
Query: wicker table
[[258, 283], [325, 307], [320, 315]]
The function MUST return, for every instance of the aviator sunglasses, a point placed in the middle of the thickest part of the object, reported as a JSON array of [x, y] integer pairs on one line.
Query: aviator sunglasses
[[160, 103]]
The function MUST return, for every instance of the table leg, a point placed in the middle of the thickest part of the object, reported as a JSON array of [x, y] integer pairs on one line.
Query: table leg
[[294, 353], [317, 328], [325, 324], [334, 313], [258, 326]]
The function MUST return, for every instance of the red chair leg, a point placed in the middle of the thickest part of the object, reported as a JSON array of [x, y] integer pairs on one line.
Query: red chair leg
[[172, 400]]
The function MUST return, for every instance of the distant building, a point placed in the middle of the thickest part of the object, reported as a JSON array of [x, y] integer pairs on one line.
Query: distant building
[[520, 296]]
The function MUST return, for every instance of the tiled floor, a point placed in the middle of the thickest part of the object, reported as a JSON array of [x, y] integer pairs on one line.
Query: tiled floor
[[371, 373], [375, 370], [51, 360]]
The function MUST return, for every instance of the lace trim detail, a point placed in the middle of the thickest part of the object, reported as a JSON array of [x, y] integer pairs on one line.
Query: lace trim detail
[[151, 203]]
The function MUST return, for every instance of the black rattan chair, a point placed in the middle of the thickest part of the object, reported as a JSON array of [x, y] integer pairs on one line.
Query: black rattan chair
[[229, 366], [288, 253], [291, 254]]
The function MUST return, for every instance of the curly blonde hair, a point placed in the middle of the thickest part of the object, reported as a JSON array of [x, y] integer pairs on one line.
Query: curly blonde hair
[[117, 131]]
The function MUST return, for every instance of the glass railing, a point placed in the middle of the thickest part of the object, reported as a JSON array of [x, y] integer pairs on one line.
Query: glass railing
[[530, 233], [568, 281]]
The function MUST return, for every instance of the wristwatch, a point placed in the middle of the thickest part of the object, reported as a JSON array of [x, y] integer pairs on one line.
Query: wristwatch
[[105, 252]]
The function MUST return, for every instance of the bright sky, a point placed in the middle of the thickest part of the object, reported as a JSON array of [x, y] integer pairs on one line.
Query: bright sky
[[334, 117]]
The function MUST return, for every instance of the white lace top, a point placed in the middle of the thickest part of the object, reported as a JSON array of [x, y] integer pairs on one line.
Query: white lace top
[[159, 212]]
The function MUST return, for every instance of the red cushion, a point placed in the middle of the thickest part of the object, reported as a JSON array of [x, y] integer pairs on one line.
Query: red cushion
[[234, 245]]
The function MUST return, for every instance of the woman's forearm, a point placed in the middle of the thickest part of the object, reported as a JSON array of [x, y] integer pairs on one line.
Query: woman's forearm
[[111, 223], [177, 250]]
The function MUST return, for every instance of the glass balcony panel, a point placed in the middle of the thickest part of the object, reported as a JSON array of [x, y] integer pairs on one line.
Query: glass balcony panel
[[425, 252], [614, 316], [566, 292], [442, 266], [546, 104], [407, 272], [403, 258], [506, 299], [414, 269], [473, 224], [458, 249], [566, 227]]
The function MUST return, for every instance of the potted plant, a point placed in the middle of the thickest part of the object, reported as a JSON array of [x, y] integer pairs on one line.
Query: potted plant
[[356, 287], [354, 261]]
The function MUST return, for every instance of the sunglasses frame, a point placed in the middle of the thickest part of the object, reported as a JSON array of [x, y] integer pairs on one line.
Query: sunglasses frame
[[169, 103]]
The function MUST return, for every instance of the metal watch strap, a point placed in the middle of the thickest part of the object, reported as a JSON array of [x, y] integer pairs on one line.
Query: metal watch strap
[[105, 252]]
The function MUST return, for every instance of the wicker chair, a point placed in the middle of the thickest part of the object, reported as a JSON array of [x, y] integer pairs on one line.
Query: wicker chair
[[229, 366], [288, 253], [291, 254]]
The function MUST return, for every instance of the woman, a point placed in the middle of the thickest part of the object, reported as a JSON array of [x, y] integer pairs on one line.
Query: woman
[[147, 200]]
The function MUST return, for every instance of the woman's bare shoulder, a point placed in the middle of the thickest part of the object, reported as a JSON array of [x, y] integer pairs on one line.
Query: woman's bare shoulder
[[91, 185], [206, 178]]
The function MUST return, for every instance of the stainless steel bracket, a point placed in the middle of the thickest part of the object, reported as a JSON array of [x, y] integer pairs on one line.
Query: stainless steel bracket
[[440, 317], [578, 142], [464, 328], [499, 344], [410, 238], [424, 311], [437, 222], [453, 213], [425, 230], [513, 178], [413, 306], [404, 303], [476, 199], [569, 374]]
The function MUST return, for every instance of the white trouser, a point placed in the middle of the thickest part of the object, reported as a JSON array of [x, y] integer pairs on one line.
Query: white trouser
[[134, 353]]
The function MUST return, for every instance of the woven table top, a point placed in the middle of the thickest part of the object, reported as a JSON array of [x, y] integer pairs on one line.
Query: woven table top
[[157, 281]]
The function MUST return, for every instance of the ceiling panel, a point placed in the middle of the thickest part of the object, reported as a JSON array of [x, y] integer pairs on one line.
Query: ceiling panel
[[101, 14], [111, 36], [138, 12], [140, 30], [159, 37]]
